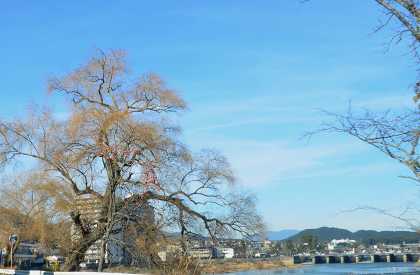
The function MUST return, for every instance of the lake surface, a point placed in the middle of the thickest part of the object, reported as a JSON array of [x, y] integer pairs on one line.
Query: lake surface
[[342, 269]]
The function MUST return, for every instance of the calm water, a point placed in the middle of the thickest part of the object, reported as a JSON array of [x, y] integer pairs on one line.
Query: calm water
[[343, 269]]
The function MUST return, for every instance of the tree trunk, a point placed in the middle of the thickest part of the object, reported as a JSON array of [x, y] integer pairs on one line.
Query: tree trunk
[[78, 252], [102, 256], [73, 262]]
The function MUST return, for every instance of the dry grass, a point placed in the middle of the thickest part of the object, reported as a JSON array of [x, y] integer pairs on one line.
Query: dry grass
[[177, 266], [192, 267], [241, 265]]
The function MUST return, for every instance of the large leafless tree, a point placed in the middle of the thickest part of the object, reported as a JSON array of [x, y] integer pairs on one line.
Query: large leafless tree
[[118, 145]]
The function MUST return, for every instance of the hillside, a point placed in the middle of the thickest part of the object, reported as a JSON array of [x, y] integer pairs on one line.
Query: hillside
[[324, 234]]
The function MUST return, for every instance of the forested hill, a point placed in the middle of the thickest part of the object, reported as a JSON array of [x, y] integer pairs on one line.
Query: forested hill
[[324, 234]]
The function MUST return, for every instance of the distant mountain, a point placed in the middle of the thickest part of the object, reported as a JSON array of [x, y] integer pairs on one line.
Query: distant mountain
[[281, 234], [324, 234]]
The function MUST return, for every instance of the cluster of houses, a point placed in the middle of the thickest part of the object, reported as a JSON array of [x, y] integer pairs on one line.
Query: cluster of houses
[[31, 254], [230, 248]]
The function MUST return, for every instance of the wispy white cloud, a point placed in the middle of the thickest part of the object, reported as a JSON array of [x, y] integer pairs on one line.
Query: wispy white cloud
[[326, 170], [264, 120], [398, 101], [258, 163], [282, 157]]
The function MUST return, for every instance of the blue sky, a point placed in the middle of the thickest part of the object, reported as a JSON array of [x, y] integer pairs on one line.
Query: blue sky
[[255, 74]]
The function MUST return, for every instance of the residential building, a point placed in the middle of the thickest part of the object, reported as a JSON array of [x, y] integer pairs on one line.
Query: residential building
[[340, 244], [227, 252], [201, 252], [28, 254], [90, 207]]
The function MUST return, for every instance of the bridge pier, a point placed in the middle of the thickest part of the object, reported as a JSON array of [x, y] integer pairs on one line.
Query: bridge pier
[[411, 258], [363, 259], [398, 258], [347, 259], [319, 259], [405, 258], [332, 259], [379, 258]]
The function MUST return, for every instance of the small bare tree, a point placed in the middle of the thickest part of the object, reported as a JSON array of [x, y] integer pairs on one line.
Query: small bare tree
[[396, 134], [118, 147]]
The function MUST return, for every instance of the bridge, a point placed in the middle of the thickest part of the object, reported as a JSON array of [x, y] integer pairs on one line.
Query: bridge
[[356, 258]]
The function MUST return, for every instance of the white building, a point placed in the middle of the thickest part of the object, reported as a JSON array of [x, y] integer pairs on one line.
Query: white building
[[332, 245], [201, 253], [227, 252]]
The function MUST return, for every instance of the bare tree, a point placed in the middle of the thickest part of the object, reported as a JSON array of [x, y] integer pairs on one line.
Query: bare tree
[[407, 13], [396, 134], [118, 147]]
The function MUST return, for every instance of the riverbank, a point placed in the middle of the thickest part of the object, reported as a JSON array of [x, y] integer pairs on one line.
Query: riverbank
[[236, 265], [216, 266]]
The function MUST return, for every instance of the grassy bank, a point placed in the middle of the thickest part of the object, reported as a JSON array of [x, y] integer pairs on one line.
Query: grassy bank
[[215, 267], [193, 267]]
